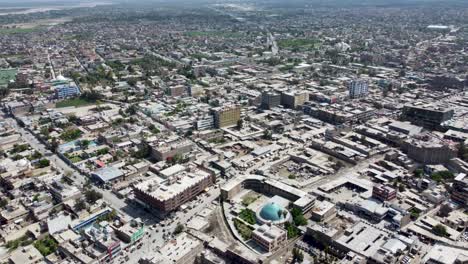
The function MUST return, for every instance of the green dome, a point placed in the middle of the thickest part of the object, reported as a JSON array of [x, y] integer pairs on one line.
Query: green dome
[[270, 212]]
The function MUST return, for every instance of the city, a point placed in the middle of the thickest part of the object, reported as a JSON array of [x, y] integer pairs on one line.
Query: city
[[249, 131]]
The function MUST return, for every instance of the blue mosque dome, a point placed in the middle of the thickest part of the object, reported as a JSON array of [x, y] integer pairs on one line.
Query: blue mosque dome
[[270, 212]]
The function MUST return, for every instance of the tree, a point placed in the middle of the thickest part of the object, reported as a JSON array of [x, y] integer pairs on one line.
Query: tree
[[240, 124], [444, 210], [298, 256], [179, 229], [440, 230], [267, 134], [3, 203], [401, 187], [43, 163], [80, 205], [132, 81], [92, 196]]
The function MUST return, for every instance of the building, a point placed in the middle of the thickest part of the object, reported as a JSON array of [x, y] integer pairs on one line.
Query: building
[[358, 88], [184, 249], [169, 194], [269, 237], [63, 192], [323, 210], [205, 122], [383, 193], [270, 100], [107, 174], [428, 115], [301, 200], [66, 90], [226, 116], [429, 151], [294, 99], [26, 255], [339, 113], [176, 91], [168, 150], [131, 232], [460, 189]]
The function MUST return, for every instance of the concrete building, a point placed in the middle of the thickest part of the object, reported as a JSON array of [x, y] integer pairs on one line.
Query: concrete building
[[294, 99], [169, 150], [131, 232], [300, 199], [226, 116], [26, 255], [269, 237], [460, 189], [184, 249], [429, 151], [66, 90], [205, 122], [270, 100], [428, 115], [176, 91], [169, 194], [323, 210], [358, 88], [383, 193]]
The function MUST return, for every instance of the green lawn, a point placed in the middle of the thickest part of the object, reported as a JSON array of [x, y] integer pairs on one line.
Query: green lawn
[[17, 30], [76, 102], [223, 34], [7, 75], [300, 44]]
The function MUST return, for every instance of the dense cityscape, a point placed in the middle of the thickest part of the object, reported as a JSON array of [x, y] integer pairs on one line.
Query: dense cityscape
[[218, 132]]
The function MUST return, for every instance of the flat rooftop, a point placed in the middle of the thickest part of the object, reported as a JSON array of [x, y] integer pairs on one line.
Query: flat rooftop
[[167, 189]]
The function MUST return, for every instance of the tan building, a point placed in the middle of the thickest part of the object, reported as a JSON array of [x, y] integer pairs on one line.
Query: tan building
[[269, 237], [184, 249], [226, 116], [26, 255], [169, 194], [294, 99], [169, 150]]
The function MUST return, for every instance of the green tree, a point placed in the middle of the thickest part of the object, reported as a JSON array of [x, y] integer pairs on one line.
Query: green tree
[[440, 230], [179, 229], [298, 256], [80, 205], [43, 163], [92, 196], [46, 246]]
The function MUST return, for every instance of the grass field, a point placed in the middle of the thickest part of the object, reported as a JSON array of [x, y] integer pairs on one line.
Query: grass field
[[76, 102], [7, 75], [222, 34], [7, 31], [301, 44]]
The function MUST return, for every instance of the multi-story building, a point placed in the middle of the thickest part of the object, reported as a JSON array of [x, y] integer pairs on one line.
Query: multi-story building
[[294, 99], [226, 116], [383, 193], [66, 90], [176, 91], [270, 100], [460, 189], [358, 88], [168, 195], [205, 122], [427, 115], [431, 151], [169, 150], [183, 249], [269, 237]]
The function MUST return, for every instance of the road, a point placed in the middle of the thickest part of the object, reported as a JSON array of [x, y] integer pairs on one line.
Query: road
[[157, 236], [62, 167]]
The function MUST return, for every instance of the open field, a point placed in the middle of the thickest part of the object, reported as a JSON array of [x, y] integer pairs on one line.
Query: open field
[[76, 102], [7, 75]]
